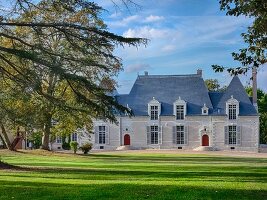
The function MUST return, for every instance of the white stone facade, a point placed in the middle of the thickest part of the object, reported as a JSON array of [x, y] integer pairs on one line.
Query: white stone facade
[[212, 126]]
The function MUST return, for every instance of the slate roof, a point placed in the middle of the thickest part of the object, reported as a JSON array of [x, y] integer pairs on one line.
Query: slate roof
[[236, 89], [191, 88]]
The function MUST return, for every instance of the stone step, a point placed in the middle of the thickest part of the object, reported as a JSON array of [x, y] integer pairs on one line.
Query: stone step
[[205, 148]]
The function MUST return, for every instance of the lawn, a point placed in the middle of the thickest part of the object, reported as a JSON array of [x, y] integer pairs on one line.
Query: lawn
[[131, 175]]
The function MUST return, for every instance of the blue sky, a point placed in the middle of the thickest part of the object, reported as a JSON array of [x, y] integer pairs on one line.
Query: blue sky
[[184, 35]]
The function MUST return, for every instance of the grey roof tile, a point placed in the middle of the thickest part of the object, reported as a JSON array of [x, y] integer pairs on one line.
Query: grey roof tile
[[191, 88]]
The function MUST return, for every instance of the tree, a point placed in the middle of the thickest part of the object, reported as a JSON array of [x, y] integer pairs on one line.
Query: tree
[[262, 107], [213, 85], [255, 54], [59, 53]]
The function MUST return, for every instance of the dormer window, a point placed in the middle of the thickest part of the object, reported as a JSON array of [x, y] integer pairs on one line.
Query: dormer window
[[232, 108], [205, 110], [179, 112], [179, 109], [154, 112], [154, 109]]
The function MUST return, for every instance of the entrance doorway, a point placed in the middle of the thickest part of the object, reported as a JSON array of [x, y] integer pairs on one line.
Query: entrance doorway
[[205, 140], [127, 139]]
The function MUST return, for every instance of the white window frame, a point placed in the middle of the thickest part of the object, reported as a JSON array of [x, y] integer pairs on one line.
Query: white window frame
[[177, 130], [179, 102], [154, 129], [74, 137], [233, 135], [151, 109], [232, 108], [102, 135], [59, 139], [97, 131], [154, 134]]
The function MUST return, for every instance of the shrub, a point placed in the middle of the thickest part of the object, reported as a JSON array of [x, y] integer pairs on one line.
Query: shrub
[[86, 148], [66, 146], [74, 146]]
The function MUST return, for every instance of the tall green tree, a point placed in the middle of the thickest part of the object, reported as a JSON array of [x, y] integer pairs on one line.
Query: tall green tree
[[255, 54], [60, 53], [262, 107]]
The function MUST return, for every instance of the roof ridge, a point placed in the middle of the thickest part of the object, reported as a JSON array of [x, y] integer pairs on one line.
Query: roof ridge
[[167, 76]]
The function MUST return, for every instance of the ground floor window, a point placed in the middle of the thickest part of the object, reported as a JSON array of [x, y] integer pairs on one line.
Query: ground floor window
[[180, 136], [101, 134], [74, 137], [154, 134], [232, 134], [59, 139]]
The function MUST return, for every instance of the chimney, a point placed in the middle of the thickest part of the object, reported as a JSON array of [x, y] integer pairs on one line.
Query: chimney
[[146, 73], [199, 72], [254, 87]]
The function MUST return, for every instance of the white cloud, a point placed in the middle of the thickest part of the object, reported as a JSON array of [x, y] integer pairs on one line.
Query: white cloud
[[146, 32], [153, 18], [137, 67], [115, 15], [169, 48], [125, 21]]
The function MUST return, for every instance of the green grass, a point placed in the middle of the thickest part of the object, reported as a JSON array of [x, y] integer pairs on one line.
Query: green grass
[[132, 175]]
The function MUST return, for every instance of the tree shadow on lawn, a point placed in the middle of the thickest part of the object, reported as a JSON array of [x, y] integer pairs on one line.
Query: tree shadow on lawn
[[158, 157], [104, 174], [31, 190]]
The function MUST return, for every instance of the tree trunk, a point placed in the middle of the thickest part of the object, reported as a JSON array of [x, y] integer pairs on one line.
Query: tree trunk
[[3, 141], [46, 133], [5, 137]]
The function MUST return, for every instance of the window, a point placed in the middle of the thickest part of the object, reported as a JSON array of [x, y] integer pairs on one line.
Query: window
[[102, 134], [180, 136], [232, 111], [59, 139], [74, 137], [154, 134], [179, 109], [154, 115], [180, 112], [232, 108], [154, 109], [232, 134]]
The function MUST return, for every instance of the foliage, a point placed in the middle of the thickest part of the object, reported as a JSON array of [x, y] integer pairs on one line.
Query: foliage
[[255, 54], [134, 175], [74, 146], [86, 148], [262, 108], [263, 128], [213, 85], [56, 58], [66, 145]]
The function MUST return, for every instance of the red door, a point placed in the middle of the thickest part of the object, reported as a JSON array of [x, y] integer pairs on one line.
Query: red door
[[205, 140], [127, 139]]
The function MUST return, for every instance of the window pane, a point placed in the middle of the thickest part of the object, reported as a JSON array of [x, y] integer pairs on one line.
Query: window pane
[[102, 134], [232, 134], [154, 134], [179, 112], [180, 135]]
